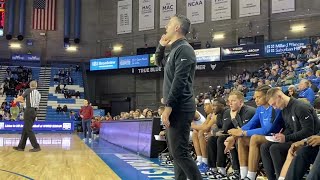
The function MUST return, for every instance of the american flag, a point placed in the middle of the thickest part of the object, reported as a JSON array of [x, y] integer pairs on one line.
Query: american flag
[[44, 14]]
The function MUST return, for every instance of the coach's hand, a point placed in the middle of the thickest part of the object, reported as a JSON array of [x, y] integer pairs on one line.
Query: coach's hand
[[165, 116], [164, 41]]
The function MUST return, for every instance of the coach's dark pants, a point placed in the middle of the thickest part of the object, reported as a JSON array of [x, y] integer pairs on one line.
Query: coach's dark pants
[[178, 141], [273, 156], [216, 156], [300, 164], [29, 118]]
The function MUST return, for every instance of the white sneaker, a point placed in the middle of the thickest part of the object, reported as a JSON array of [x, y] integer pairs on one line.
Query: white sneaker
[[90, 140], [84, 139]]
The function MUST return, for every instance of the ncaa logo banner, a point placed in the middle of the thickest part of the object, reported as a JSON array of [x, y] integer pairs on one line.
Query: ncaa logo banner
[[146, 15], [195, 11], [168, 8]]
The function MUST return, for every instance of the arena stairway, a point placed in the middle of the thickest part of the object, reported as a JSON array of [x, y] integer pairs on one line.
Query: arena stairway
[[43, 88]]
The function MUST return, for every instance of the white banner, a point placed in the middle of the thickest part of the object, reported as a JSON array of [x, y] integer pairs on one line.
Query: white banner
[[195, 11], [207, 55], [249, 8], [279, 6], [146, 15], [124, 19], [168, 8], [220, 10]]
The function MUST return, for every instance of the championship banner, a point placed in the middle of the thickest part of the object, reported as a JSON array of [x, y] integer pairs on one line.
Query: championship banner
[[124, 17], [146, 15], [280, 6], [220, 10], [195, 11], [249, 8], [168, 8]]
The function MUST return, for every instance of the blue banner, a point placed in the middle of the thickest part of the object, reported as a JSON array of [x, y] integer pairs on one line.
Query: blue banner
[[242, 52], [134, 61], [37, 126], [104, 64], [25, 57], [274, 49]]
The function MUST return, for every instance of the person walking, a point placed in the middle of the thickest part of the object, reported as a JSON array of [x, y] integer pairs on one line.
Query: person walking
[[31, 97]]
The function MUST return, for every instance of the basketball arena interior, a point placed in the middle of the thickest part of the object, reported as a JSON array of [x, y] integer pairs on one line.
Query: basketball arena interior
[[103, 89]]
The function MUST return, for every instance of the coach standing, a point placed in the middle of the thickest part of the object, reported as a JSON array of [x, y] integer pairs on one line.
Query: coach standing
[[32, 99], [86, 114], [179, 70]]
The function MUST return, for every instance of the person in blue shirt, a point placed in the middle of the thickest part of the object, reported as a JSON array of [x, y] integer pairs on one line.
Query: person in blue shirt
[[305, 91], [250, 136]]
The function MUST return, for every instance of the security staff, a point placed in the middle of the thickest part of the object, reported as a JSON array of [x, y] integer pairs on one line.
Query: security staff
[[31, 97], [179, 71]]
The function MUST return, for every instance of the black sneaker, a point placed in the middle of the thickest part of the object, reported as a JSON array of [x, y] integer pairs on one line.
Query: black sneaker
[[235, 175], [210, 172], [218, 176], [35, 149], [18, 149]]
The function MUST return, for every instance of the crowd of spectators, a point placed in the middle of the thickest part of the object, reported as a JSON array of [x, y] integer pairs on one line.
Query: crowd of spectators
[[15, 81], [64, 78], [285, 72]]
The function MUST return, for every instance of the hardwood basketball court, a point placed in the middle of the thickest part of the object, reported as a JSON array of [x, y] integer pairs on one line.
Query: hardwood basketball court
[[63, 156]]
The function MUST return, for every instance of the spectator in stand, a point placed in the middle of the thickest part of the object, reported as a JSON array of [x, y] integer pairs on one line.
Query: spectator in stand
[[86, 113], [306, 91], [149, 114], [317, 105], [77, 68], [14, 111], [144, 112], [58, 89], [139, 115], [108, 117], [126, 115], [59, 109], [73, 116], [310, 75], [292, 92], [302, 56], [316, 80], [77, 95], [96, 124], [69, 80], [65, 109]]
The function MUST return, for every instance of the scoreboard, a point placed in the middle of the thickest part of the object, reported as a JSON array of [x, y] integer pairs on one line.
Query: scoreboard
[[2, 16]]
